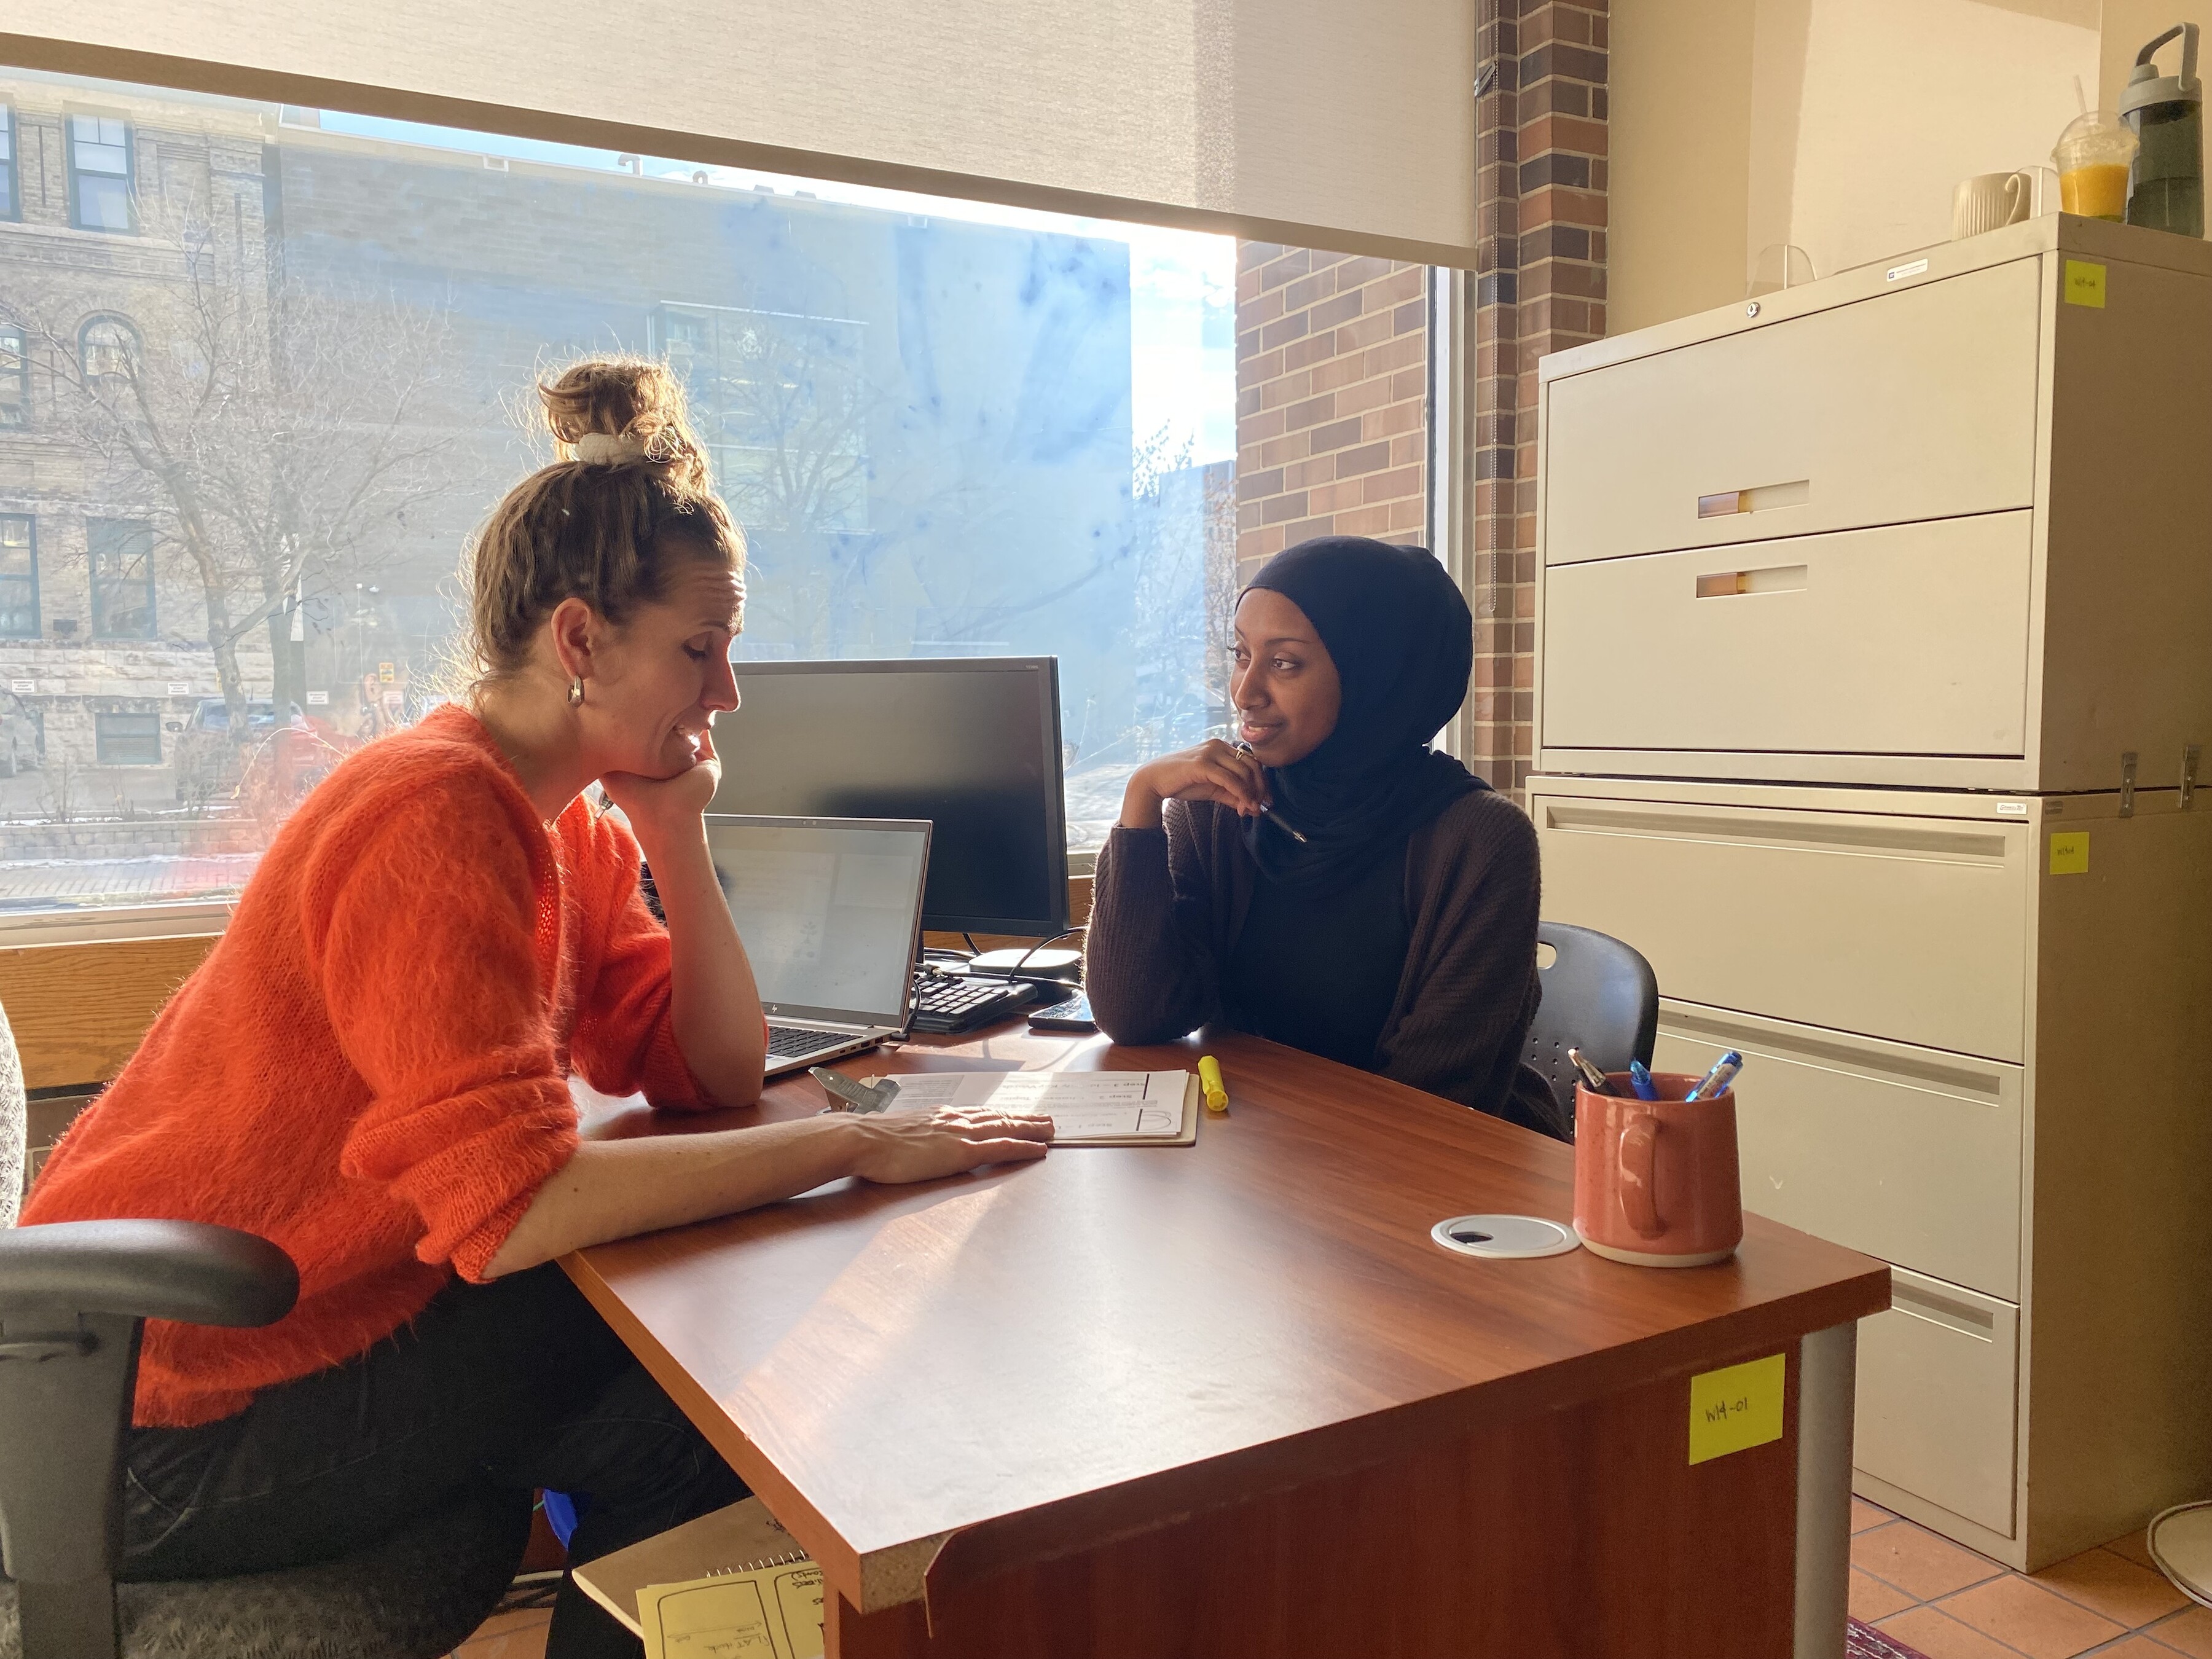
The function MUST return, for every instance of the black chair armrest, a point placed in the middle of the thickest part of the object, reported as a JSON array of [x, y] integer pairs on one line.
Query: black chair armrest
[[180, 1270]]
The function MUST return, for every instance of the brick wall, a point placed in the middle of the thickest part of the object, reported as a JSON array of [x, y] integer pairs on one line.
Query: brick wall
[[1540, 288], [1332, 370], [1331, 394]]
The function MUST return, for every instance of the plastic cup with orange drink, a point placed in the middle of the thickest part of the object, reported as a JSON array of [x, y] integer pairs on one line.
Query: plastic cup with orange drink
[[2094, 155]]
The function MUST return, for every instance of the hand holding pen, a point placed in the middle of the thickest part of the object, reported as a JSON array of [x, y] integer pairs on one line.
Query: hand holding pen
[[1231, 776], [1268, 811]]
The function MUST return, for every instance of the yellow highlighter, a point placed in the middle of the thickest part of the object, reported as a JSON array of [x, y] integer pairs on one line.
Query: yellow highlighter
[[1209, 1079]]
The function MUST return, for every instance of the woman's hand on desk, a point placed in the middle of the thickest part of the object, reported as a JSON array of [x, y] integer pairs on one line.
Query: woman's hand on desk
[[901, 1146], [1214, 771], [618, 1188]]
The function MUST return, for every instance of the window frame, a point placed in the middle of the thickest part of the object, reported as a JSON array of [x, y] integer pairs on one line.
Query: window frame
[[129, 175], [133, 346], [91, 557], [11, 167], [100, 738], [22, 352], [30, 522]]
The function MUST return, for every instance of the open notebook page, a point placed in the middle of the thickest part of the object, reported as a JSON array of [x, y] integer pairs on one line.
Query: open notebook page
[[1094, 1106]]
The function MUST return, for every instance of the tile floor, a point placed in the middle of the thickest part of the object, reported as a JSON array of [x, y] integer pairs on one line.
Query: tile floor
[[1950, 1603], [1922, 1588]]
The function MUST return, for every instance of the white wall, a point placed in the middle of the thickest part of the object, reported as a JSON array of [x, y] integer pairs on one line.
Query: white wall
[[1839, 125]]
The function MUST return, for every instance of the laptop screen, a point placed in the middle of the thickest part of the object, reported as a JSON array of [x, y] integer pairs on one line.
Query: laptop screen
[[830, 910]]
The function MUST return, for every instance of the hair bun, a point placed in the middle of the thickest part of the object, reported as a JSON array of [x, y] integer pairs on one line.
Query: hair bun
[[633, 400]]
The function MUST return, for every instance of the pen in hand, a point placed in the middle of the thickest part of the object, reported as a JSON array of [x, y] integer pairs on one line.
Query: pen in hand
[[1269, 812]]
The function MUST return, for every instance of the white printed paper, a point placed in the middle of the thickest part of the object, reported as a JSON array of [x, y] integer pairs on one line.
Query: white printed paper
[[1082, 1105]]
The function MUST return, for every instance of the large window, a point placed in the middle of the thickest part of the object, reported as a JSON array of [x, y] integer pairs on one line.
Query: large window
[[11, 200], [947, 429], [15, 379], [121, 554], [19, 576], [100, 197]]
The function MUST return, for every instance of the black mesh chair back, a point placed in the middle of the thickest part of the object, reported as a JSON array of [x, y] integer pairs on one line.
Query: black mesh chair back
[[1599, 996], [73, 1298]]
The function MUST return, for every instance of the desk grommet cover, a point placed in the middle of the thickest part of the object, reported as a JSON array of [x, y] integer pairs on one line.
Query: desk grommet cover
[[1504, 1237]]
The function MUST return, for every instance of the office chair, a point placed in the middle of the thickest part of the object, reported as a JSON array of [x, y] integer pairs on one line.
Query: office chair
[[1599, 996], [73, 1296]]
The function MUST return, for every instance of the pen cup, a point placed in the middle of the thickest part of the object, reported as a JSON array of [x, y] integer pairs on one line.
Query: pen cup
[[1655, 1181]]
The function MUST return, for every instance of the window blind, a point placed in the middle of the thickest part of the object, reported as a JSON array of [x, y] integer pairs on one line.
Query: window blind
[[1324, 122]]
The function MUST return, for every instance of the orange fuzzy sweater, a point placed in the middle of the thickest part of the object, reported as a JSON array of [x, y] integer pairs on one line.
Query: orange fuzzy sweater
[[370, 1067]]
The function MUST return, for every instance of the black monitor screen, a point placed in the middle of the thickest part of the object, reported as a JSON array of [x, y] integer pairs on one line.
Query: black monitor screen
[[971, 743]]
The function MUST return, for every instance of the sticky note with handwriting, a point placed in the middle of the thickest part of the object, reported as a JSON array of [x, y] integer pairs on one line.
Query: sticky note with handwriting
[[2070, 853], [2084, 284], [1735, 1408]]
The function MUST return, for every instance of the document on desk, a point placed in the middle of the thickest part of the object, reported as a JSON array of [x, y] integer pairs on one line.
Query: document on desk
[[761, 1612], [1087, 1108]]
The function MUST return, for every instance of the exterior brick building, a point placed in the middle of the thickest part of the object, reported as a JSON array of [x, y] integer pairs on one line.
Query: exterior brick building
[[101, 669]]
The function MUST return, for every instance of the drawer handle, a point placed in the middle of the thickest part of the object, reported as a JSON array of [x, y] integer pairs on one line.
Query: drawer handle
[[1839, 835], [1983, 1088], [1775, 579], [1958, 1315], [1729, 502]]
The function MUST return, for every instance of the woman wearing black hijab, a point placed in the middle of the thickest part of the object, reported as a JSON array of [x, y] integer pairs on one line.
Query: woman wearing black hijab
[[1332, 883]]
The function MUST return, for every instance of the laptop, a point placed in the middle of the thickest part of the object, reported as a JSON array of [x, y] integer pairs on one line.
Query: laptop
[[830, 910]]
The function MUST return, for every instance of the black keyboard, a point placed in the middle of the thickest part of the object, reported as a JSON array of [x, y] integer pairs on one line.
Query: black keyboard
[[946, 1002], [789, 1042]]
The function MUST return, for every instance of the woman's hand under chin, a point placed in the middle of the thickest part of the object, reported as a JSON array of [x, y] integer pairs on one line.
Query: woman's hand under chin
[[661, 809]]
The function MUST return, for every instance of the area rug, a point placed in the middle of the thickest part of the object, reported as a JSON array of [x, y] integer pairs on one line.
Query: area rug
[[1865, 1642]]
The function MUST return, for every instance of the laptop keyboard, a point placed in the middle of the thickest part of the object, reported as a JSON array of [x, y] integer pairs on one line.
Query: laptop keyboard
[[790, 1041]]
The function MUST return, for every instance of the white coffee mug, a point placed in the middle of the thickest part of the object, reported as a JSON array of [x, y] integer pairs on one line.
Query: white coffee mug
[[1990, 200]]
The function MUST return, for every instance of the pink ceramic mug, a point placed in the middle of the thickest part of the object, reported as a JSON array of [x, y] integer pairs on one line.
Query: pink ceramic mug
[[1655, 1181]]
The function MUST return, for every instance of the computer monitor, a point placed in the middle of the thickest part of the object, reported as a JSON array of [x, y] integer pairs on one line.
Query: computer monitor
[[971, 743]]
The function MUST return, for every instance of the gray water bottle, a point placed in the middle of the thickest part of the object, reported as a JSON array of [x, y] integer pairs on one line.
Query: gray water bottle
[[2166, 189]]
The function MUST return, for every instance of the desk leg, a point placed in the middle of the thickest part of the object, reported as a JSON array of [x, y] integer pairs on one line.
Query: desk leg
[[1828, 1373]]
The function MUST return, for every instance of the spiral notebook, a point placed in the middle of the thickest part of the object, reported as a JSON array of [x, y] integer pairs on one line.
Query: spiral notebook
[[732, 1582]]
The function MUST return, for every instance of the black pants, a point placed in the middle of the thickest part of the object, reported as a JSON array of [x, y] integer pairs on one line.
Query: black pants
[[517, 1381]]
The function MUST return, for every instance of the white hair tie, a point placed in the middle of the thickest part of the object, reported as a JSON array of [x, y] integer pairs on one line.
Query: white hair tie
[[605, 449]]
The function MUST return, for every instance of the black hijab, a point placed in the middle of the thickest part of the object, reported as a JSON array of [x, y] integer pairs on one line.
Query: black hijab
[[1403, 643]]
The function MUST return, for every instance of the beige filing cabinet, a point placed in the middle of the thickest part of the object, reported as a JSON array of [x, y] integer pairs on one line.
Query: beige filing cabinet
[[1929, 525], [1843, 756]]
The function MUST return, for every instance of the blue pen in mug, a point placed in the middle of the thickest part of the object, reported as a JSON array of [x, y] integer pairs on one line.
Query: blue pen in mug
[[1716, 1081], [1639, 1079]]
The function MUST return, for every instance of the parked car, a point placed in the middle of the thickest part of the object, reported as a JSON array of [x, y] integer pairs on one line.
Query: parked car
[[207, 760]]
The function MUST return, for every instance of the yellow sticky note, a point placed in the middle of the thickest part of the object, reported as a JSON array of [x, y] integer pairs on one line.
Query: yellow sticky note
[[2085, 284], [2070, 853], [1735, 1409]]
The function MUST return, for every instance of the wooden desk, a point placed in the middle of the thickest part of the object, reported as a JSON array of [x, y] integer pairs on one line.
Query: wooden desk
[[1232, 1399]]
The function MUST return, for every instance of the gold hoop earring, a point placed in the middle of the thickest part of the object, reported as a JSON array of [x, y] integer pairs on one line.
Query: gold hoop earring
[[576, 692]]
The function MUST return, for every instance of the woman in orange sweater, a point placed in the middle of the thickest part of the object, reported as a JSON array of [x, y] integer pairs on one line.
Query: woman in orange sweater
[[371, 1067]]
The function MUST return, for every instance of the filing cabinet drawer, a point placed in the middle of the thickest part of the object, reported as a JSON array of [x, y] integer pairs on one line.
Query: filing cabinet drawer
[[1769, 647], [1914, 929], [1904, 1153], [1920, 404], [1937, 1408]]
